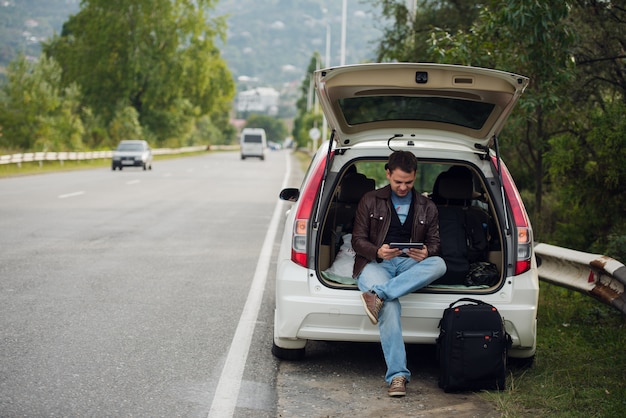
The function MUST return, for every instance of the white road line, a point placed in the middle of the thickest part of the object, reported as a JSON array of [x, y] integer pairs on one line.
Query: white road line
[[133, 182], [227, 391], [74, 194]]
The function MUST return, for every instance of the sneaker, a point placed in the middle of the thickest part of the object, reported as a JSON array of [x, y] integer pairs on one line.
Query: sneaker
[[372, 304], [397, 386]]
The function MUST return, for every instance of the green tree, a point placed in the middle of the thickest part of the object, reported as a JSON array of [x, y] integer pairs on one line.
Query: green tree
[[96, 134], [308, 115], [407, 37], [62, 129], [573, 52], [543, 54], [125, 124], [36, 112], [301, 131], [206, 132], [587, 162], [600, 54], [589, 173], [157, 55], [275, 129]]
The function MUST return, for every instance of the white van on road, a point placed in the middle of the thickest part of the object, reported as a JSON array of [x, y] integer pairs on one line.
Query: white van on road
[[253, 143]]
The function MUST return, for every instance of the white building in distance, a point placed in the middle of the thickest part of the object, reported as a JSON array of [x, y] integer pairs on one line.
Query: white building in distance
[[262, 100]]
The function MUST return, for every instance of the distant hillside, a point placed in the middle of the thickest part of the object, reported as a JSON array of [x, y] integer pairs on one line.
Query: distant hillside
[[269, 41], [273, 41], [25, 23]]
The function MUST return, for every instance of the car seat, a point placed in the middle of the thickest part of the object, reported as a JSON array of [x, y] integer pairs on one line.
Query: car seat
[[463, 228], [353, 186]]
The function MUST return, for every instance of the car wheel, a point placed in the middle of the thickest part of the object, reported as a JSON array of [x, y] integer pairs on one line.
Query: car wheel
[[145, 167], [291, 354]]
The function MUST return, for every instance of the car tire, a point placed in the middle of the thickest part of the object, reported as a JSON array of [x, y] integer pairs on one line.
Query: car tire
[[145, 167], [289, 354]]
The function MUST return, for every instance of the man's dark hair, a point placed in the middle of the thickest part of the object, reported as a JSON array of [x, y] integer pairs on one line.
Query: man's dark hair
[[404, 160]]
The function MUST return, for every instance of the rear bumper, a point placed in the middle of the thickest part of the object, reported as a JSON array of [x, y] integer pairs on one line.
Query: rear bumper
[[129, 163], [310, 310]]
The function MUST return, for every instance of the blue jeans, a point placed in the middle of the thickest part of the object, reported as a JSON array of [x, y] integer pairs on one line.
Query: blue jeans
[[391, 279]]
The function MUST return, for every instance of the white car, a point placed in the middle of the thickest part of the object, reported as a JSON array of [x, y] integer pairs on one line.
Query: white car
[[132, 153], [449, 117]]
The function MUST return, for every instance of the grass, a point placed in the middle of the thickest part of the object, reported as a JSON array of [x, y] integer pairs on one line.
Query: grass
[[12, 170], [304, 159], [580, 366]]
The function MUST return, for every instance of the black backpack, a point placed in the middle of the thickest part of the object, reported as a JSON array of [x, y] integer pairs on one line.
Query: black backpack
[[472, 347]]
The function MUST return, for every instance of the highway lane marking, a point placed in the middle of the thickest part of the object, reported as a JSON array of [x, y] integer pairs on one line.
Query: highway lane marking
[[74, 194], [133, 182], [227, 391]]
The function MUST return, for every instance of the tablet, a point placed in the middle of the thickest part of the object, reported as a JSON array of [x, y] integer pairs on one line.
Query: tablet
[[403, 245]]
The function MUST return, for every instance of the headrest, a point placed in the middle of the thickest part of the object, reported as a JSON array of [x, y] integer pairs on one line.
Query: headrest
[[455, 188], [354, 186]]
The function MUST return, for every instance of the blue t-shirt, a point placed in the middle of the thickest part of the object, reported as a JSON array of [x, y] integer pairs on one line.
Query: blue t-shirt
[[402, 205]]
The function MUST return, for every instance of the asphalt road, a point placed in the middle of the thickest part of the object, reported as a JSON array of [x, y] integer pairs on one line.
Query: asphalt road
[[123, 293]]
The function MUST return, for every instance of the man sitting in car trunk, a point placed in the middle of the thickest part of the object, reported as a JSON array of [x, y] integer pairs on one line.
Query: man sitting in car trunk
[[395, 213]]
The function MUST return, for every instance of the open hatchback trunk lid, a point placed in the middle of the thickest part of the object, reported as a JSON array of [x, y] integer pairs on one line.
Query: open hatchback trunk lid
[[369, 102]]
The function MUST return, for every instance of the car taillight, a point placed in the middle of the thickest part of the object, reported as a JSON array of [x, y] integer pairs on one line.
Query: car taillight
[[520, 218], [303, 215], [298, 247]]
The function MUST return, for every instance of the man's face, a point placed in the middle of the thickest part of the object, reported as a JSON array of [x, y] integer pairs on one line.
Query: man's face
[[400, 181]]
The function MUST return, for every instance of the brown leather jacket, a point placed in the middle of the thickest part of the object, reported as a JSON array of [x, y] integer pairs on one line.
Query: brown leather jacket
[[372, 220]]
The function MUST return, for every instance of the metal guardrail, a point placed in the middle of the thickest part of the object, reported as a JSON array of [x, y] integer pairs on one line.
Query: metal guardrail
[[599, 276], [40, 157]]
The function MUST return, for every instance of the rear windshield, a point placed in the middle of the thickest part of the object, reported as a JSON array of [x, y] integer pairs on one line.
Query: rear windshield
[[426, 175], [257, 139], [461, 112], [130, 147]]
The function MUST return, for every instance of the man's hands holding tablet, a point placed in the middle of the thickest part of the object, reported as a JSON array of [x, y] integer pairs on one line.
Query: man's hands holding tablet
[[415, 250], [406, 245]]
